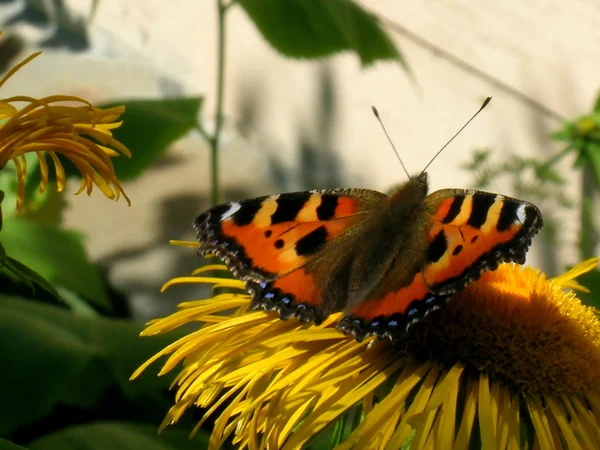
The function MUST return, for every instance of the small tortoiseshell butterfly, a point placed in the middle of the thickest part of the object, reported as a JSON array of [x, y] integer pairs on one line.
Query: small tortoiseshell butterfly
[[386, 261]]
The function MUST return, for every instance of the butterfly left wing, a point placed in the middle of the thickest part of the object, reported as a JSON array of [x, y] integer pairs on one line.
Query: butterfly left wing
[[285, 247], [466, 233]]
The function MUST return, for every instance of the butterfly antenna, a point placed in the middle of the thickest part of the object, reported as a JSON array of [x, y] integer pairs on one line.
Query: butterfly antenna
[[484, 104], [389, 140]]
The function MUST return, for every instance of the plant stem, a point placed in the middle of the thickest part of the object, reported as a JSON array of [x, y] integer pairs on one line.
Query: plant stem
[[214, 141], [588, 239]]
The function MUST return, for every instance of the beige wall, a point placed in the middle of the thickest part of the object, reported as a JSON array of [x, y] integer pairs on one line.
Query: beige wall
[[548, 50]]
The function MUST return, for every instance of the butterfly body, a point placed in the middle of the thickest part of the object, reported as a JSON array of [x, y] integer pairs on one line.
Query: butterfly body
[[385, 261]]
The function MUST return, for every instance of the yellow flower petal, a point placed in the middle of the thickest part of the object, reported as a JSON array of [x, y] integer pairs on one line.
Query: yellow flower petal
[[78, 132], [6, 110], [513, 350]]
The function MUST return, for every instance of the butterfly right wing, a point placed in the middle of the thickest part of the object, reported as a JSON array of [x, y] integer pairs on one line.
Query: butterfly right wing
[[467, 232], [474, 231], [287, 248]]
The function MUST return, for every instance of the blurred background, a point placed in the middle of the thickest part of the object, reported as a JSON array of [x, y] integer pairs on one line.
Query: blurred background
[[293, 123]]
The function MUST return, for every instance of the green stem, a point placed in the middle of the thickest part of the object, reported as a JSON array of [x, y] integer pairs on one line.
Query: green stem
[[200, 129], [588, 239], [214, 141]]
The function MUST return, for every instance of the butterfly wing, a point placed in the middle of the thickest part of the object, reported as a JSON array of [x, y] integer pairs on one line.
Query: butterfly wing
[[474, 231], [286, 247], [466, 232]]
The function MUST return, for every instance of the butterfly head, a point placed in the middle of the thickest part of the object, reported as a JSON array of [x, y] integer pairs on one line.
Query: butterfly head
[[412, 192], [420, 184]]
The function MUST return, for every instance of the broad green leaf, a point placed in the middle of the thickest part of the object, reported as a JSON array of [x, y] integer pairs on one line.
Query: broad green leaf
[[319, 28], [57, 255], [7, 445], [120, 436], [30, 278], [149, 128], [56, 357]]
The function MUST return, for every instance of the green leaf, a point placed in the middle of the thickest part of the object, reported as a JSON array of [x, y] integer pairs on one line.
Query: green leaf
[[149, 128], [563, 134], [30, 278], [120, 436], [319, 28], [590, 280], [56, 357], [57, 255], [6, 445]]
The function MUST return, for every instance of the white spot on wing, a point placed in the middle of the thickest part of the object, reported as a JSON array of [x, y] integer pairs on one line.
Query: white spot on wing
[[233, 208], [521, 213]]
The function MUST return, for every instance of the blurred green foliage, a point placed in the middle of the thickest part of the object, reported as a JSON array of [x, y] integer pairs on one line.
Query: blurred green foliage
[[314, 29]]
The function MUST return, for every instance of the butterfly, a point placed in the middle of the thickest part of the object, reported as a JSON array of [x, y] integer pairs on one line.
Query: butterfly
[[385, 261]]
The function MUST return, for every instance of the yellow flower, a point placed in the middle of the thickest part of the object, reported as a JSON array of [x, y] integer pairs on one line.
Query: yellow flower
[[60, 125], [511, 362]]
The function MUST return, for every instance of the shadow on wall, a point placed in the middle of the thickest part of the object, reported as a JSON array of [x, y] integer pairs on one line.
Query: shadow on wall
[[319, 168]]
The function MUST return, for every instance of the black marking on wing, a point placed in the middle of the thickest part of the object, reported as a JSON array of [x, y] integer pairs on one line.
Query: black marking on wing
[[312, 242], [216, 212], [479, 209], [457, 250], [288, 207], [248, 209], [326, 210], [454, 209], [437, 247], [508, 215]]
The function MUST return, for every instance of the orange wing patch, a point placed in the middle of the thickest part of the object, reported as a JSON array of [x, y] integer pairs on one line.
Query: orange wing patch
[[392, 315], [281, 248], [394, 302], [301, 285]]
